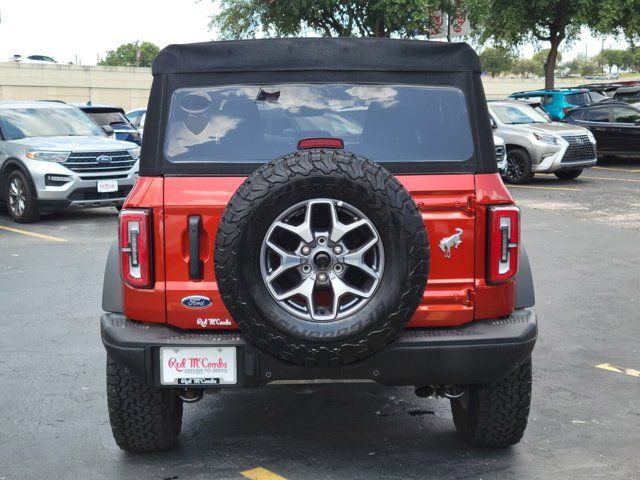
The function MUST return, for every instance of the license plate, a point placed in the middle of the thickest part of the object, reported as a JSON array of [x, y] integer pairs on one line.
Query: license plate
[[198, 366], [105, 186]]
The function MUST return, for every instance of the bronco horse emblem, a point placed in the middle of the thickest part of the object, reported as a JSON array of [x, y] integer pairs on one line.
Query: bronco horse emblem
[[447, 243]]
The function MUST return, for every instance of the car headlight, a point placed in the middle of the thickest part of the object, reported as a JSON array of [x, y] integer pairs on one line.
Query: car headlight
[[135, 153], [550, 139], [48, 156], [591, 137]]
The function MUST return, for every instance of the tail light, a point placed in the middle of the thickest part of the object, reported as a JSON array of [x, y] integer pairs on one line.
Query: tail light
[[566, 110], [135, 248], [504, 238]]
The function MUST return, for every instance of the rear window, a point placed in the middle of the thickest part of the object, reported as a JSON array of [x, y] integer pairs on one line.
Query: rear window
[[578, 99], [256, 124], [108, 118]]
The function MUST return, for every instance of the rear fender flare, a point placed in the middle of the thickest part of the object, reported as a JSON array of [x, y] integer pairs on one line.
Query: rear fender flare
[[112, 286], [525, 295]]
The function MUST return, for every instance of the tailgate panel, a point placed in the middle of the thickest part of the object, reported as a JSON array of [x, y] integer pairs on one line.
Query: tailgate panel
[[446, 203]]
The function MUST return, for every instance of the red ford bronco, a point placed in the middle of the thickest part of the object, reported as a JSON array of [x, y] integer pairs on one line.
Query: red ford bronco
[[318, 210]]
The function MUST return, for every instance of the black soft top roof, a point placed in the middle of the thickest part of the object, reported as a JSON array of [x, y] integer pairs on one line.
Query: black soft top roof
[[291, 54]]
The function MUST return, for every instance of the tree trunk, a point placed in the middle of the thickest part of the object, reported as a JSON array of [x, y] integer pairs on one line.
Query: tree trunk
[[550, 64]]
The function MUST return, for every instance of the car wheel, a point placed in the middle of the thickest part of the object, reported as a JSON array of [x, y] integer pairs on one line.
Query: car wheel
[[143, 419], [21, 202], [334, 260], [568, 174], [518, 167], [495, 414]]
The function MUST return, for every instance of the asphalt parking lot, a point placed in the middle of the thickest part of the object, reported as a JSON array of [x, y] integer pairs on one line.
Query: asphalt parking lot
[[583, 239]]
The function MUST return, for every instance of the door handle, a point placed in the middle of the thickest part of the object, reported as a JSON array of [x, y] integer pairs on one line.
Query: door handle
[[195, 265]]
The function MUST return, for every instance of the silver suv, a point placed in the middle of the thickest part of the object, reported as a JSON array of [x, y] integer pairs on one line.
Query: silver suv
[[52, 156], [537, 145]]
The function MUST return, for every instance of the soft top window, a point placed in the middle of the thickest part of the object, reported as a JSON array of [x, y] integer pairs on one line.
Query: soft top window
[[256, 124]]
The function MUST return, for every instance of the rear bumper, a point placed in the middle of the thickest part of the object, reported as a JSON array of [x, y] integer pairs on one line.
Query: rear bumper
[[479, 352]]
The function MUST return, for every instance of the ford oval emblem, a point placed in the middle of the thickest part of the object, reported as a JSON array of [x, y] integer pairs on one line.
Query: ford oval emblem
[[196, 301], [104, 159]]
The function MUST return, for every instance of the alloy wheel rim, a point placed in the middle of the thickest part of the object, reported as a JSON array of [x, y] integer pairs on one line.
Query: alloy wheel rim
[[17, 197], [322, 260], [515, 167]]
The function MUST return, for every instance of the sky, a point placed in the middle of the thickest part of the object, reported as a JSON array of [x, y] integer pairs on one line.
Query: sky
[[81, 30]]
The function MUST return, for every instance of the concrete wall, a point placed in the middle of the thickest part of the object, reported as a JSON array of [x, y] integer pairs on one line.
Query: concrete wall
[[126, 87], [129, 87]]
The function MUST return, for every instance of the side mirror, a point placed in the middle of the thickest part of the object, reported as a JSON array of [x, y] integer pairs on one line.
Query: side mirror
[[108, 129], [493, 123]]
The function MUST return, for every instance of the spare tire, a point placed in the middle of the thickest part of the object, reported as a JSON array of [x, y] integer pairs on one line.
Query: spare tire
[[321, 257]]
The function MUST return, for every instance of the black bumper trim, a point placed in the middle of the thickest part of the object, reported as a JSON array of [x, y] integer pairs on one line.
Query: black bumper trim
[[479, 352]]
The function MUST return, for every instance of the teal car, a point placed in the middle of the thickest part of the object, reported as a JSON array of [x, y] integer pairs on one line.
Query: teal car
[[557, 102]]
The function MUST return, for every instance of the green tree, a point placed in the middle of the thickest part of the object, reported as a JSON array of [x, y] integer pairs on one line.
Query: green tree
[[540, 58], [525, 67], [583, 66], [329, 18], [496, 60], [514, 22], [131, 55]]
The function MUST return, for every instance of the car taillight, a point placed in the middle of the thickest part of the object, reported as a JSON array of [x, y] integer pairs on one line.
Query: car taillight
[[135, 248], [329, 142], [566, 110], [504, 238]]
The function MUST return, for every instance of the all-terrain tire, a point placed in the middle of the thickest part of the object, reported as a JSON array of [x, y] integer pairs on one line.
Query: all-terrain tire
[[495, 414], [304, 176], [568, 174], [143, 419]]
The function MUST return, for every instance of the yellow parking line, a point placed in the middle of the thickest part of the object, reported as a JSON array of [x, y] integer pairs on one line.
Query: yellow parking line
[[33, 234], [570, 189], [612, 368], [613, 169], [260, 473], [636, 180]]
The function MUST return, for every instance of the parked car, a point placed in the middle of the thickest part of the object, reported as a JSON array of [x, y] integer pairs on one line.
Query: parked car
[[52, 156], [501, 154], [114, 117], [32, 59], [536, 145], [137, 118], [615, 125], [628, 94], [606, 89], [319, 244], [556, 102]]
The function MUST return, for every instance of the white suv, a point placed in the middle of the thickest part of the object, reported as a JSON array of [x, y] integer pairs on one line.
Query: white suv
[[52, 156]]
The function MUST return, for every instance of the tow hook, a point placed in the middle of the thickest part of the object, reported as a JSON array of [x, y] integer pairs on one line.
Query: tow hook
[[191, 395]]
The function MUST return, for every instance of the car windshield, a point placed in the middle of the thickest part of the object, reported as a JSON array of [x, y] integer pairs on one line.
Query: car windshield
[[256, 124], [517, 114], [17, 123], [108, 118]]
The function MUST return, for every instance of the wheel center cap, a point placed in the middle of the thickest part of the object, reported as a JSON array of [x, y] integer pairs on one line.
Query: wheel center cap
[[322, 260]]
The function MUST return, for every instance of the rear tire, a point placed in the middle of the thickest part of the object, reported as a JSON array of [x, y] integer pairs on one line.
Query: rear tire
[[568, 174], [495, 414], [143, 419], [518, 167], [20, 198]]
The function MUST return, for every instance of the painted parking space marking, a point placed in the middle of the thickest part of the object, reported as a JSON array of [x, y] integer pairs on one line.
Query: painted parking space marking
[[569, 189], [260, 473], [33, 234], [635, 180], [614, 169], [613, 368]]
